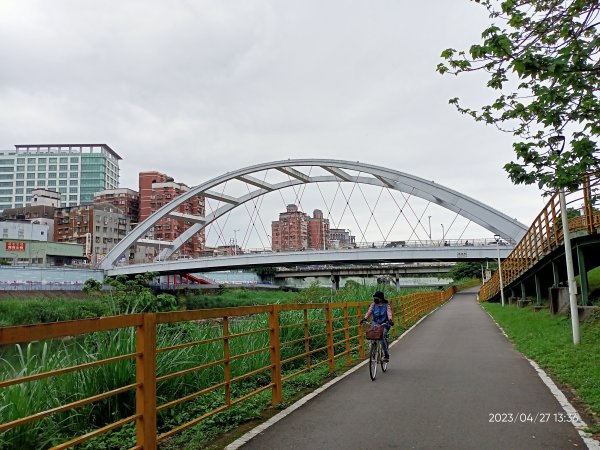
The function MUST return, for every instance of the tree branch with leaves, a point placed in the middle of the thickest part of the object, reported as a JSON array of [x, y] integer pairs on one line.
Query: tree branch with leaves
[[543, 60]]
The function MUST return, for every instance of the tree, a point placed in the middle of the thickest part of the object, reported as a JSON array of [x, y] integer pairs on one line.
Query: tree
[[464, 270], [542, 58]]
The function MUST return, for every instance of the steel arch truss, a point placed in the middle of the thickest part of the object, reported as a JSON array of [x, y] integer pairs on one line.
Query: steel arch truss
[[484, 215]]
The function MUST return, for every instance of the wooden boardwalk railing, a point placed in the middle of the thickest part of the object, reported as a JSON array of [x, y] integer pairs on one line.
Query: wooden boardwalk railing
[[546, 234], [286, 340]]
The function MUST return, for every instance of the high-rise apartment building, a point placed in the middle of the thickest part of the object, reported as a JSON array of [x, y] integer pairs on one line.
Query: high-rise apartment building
[[296, 230], [158, 189], [76, 171], [290, 232], [97, 227], [318, 231], [127, 200]]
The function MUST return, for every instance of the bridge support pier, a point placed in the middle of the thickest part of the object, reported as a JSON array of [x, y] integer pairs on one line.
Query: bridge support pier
[[335, 281], [523, 291], [538, 289], [397, 283], [583, 276], [555, 274]]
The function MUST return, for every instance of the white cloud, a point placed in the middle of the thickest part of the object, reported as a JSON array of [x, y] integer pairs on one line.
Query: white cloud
[[198, 88]]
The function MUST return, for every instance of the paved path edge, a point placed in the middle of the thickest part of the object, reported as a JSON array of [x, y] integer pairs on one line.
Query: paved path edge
[[281, 415], [579, 424]]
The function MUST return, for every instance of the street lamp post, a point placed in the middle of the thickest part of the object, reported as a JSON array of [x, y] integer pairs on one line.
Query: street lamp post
[[235, 241], [429, 217], [497, 238], [443, 233], [557, 143]]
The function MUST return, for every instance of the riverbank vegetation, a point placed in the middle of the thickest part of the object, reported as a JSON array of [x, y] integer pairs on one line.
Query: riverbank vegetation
[[130, 296]]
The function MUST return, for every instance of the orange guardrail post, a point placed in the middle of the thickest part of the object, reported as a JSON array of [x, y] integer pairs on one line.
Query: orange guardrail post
[[361, 338], [347, 336], [275, 343], [306, 338], [226, 363], [145, 376], [329, 325]]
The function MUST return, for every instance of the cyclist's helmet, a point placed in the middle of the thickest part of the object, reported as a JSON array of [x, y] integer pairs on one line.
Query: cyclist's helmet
[[378, 297]]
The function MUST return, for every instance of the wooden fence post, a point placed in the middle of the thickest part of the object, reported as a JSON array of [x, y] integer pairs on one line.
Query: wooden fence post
[[306, 338], [329, 326], [226, 364], [361, 338], [347, 335], [276, 390], [145, 377]]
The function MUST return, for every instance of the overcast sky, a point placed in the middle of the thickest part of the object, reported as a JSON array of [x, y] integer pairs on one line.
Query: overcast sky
[[199, 88]]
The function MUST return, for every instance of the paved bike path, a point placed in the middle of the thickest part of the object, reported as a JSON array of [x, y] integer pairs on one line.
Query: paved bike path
[[444, 380]]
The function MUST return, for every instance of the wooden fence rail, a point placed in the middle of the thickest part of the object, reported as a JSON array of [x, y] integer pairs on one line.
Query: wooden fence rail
[[287, 340], [546, 234]]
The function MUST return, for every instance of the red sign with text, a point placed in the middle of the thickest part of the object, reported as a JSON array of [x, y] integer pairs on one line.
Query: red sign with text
[[15, 246]]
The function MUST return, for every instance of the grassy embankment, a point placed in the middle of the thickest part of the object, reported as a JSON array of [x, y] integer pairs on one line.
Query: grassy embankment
[[548, 341]]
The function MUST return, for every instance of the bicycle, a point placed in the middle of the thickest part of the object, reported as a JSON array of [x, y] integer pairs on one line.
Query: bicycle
[[376, 356]]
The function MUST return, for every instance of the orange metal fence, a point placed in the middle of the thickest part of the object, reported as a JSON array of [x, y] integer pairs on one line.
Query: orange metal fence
[[266, 344], [546, 234]]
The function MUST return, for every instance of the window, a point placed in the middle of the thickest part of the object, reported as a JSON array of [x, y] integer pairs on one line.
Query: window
[[52, 175], [31, 183], [62, 175], [74, 159], [73, 197], [30, 160], [73, 182], [7, 176], [20, 168], [97, 228], [52, 183], [20, 176], [20, 160], [64, 159], [19, 190], [74, 175], [41, 168], [5, 184], [42, 175], [73, 190], [30, 168], [63, 190], [52, 167], [74, 167], [62, 182], [19, 198], [31, 176], [41, 160], [41, 182], [52, 160], [63, 167]]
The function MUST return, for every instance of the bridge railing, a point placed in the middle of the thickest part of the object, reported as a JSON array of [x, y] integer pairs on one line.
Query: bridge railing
[[141, 368], [546, 234]]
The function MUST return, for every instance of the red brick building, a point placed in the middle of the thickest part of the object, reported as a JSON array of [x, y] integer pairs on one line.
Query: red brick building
[[318, 231], [156, 190], [296, 230]]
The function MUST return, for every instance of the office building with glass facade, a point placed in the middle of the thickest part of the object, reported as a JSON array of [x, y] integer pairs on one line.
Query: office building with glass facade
[[76, 171]]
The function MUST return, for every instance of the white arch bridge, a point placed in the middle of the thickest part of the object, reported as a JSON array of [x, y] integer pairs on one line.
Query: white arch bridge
[[298, 173]]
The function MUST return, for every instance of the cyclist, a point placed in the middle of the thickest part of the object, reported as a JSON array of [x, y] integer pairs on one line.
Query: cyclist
[[381, 311]]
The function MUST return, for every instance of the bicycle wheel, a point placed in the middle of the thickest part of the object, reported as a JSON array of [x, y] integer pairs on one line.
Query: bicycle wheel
[[373, 360], [384, 364]]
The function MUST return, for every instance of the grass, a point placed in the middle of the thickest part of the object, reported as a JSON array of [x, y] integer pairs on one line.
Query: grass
[[548, 341]]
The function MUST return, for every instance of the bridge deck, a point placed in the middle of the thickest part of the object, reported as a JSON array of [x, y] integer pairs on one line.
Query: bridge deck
[[445, 379]]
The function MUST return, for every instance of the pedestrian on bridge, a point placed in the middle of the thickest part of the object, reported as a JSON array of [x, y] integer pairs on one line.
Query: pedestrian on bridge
[[381, 311]]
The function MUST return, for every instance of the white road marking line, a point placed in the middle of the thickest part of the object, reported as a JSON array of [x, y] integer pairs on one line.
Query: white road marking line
[[579, 424]]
